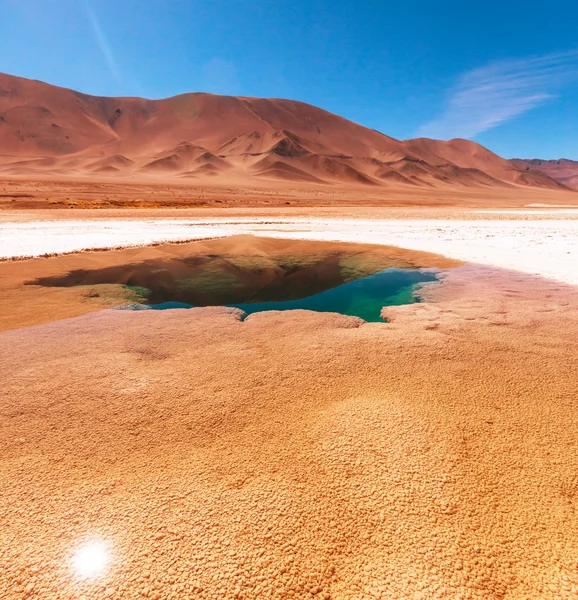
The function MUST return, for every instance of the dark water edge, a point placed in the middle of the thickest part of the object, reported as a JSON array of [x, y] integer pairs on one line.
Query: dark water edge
[[364, 297], [344, 281]]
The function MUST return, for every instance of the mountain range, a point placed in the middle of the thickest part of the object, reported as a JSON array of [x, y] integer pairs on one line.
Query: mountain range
[[52, 131], [563, 170]]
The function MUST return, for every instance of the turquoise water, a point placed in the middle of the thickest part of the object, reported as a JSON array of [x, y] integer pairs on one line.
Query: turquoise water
[[364, 297], [348, 282]]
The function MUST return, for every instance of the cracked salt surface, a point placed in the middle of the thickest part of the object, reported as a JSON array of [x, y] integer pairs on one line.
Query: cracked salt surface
[[544, 247]]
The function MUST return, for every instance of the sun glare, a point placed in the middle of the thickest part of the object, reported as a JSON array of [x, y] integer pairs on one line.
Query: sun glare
[[90, 560]]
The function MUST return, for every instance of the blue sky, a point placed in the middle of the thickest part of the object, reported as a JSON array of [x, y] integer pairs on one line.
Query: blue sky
[[504, 73]]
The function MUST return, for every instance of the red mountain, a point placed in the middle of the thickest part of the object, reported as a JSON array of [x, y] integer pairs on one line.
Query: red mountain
[[562, 170], [55, 131]]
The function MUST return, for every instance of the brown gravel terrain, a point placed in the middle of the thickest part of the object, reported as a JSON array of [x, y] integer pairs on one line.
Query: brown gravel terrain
[[298, 455], [31, 192]]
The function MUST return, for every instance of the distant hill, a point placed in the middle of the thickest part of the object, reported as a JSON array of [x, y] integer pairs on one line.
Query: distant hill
[[56, 131], [563, 170]]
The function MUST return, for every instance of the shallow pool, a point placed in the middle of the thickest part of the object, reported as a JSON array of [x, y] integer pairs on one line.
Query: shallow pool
[[363, 297], [347, 282]]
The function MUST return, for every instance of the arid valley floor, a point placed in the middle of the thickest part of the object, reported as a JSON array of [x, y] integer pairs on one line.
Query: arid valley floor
[[292, 454]]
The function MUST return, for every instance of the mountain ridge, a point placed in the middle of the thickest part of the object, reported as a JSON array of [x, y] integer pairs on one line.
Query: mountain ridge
[[46, 129], [563, 170]]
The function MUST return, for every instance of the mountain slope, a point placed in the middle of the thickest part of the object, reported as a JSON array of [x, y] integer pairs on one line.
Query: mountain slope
[[50, 130], [562, 170], [470, 155]]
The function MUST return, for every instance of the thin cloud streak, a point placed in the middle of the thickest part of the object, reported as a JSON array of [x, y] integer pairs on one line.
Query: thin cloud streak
[[104, 44], [493, 94]]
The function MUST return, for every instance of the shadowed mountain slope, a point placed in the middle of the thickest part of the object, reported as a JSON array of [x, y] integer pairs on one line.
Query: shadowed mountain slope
[[563, 170]]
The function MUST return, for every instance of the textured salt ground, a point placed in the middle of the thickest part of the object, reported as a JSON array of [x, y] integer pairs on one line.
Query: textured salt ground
[[298, 454], [547, 247]]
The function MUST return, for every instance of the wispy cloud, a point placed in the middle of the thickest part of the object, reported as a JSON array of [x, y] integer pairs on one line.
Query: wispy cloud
[[103, 43], [493, 94]]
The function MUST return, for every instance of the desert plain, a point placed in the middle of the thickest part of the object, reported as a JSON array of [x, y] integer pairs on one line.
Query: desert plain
[[206, 453], [293, 454]]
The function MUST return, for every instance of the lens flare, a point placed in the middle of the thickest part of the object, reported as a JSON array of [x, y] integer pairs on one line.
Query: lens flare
[[90, 560]]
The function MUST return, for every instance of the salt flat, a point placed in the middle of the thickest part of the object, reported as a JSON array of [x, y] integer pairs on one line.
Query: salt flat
[[294, 454], [546, 247], [291, 454]]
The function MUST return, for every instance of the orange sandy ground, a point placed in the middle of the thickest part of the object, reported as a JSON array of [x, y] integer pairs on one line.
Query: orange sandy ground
[[298, 455], [142, 193]]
